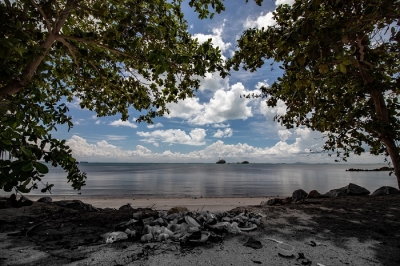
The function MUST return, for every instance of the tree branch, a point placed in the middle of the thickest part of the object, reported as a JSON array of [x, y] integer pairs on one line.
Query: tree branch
[[83, 40], [48, 24], [71, 50]]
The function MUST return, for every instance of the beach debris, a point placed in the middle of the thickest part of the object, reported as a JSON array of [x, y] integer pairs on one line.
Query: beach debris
[[185, 227], [285, 250], [114, 236], [349, 190], [385, 190], [252, 243], [303, 260]]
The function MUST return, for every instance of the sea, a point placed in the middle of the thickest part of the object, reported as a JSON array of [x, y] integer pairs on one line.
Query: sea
[[213, 180]]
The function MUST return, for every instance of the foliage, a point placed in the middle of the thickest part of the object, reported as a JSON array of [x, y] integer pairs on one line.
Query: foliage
[[108, 55], [341, 71]]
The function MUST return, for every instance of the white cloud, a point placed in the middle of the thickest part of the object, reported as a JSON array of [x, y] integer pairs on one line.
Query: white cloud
[[216, 38], [284, 134], [157, 125], [265, 20], [116, 137], [213, 82], [270, 112], [120, 123], [262, 21], [175, 136], [281, 152], [221, 125], [283, 2], [185, 109], [223, 106], [226, 133]]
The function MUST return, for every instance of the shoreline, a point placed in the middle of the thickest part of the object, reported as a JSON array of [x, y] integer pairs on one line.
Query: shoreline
[[158, 203]]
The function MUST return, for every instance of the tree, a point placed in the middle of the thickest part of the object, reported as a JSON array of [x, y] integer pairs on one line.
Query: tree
[[110, 55], [341, 71]]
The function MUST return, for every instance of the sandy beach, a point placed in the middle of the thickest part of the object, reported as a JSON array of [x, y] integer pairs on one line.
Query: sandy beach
[[358, 230]]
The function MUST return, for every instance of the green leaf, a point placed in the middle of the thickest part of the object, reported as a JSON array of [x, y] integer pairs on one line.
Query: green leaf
[[26, 151], [27, 166], [41, 168], [343, 68]]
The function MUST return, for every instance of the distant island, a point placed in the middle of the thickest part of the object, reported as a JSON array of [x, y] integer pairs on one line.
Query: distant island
[[385, 168], [221, 161]]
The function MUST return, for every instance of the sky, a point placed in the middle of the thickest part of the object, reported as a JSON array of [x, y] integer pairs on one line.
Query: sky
[[216, 123]]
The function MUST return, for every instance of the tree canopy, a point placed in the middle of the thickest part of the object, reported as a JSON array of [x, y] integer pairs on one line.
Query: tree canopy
[[341, 71], [108, 55]]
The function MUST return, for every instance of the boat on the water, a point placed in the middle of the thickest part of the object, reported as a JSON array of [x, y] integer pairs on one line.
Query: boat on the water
[[221, 161]]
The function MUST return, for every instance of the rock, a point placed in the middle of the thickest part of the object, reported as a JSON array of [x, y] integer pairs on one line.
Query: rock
[[126, 207], [75, 204], [24, 201], [299, 195], [271, 202], [287, 200], [313, 194], [45, 199], [178, 209], [355, 190], [385, 190], [349, 190]]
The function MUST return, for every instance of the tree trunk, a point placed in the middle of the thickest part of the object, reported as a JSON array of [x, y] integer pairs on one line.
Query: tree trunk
[[18, 84], [385, 132]]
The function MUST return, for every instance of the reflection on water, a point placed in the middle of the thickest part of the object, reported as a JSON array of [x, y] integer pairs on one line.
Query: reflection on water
[[213, 180]]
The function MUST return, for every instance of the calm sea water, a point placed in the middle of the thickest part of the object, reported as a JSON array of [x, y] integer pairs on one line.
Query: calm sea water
[[213, 180]]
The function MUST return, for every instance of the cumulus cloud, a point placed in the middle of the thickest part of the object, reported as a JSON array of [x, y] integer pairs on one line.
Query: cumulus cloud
[[221, 125], [185, 109], [283, 2], [223, 106], [120, 123], [226, 133], [157, 125], [175, 136], [216, 38], [265, 20], [262, 21], [282, 151], [284, 134], [213, 82]]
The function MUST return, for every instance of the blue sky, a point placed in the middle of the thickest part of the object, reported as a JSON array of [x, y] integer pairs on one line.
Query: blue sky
[[217, 123]]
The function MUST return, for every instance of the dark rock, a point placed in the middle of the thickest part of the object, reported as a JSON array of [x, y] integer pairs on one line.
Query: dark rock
[[385, 190], [334, 193], [126, 207], [313, 194], [272, 202], [45, 199], [287, 200], [349, 190], [75, 204], [24, 201], [355, 190], [13, 197], [299, 195]]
